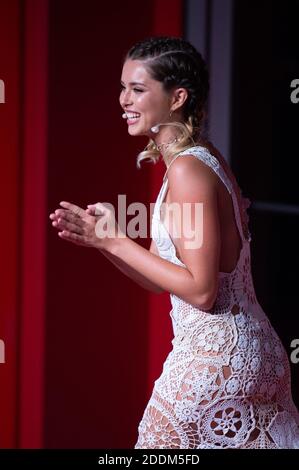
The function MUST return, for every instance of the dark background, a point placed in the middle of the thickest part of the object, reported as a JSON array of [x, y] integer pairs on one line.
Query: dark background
[[265, 154]]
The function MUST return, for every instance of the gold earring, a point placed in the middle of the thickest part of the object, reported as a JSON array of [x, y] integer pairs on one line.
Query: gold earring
[[170, 114]]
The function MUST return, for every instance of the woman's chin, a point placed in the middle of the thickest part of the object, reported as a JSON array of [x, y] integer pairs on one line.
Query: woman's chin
[[135, 132]]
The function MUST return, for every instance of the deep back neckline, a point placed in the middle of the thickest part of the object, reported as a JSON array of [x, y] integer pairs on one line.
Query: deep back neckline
[[204, 155]]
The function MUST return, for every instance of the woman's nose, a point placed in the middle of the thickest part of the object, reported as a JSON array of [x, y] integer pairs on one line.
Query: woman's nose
[[125, 98]]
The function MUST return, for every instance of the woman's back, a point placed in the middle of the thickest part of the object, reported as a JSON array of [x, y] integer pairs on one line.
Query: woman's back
[[226, 382], [231, 241]]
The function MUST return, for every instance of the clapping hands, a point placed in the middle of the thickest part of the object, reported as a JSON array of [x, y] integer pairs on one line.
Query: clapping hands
[[94, 227]]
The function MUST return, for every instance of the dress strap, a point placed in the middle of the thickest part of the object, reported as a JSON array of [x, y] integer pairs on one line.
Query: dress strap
[[160, 198], [206, 157]]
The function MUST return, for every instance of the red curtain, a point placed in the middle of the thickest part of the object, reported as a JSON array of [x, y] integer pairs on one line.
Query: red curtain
[[11, 215], [83, 343], [34, 225]]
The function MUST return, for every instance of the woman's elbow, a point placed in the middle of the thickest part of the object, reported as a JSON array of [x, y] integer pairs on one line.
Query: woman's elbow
[[205, 301]]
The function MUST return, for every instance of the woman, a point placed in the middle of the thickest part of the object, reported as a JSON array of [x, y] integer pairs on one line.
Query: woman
[[226, 382]]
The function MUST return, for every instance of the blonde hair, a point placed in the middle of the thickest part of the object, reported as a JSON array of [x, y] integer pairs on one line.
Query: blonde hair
[[185, 140]]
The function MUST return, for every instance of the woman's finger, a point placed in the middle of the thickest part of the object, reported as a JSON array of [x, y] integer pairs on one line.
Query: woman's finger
[[91, 210], [70, 217], [73, 237], [97, 208], [61, 213], [63, 224], [73, 208]]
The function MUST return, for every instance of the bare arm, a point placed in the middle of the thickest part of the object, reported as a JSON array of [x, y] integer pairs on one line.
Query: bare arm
[[132, 273], [190, 181], [170, 277], [78, 226]]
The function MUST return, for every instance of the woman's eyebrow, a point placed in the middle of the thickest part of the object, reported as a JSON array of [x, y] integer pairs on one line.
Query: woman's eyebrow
[[134, 83]]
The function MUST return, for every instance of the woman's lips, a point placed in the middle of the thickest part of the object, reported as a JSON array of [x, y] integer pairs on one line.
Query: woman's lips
[[130, 118], [130, 122]]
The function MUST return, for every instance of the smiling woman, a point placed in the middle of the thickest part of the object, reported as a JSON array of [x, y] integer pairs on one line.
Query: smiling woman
[[143, 99], [226, 382]]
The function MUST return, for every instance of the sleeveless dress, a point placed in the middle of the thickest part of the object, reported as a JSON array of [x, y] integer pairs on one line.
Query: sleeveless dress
[[226, 382]]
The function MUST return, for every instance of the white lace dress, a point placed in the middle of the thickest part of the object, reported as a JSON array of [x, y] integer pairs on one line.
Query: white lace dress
[[226, 381]]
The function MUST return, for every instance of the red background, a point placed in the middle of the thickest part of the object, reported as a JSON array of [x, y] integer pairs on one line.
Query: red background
[[83, 343]]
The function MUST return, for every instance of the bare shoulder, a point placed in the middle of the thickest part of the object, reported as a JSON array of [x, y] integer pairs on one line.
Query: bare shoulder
[[190, 172]]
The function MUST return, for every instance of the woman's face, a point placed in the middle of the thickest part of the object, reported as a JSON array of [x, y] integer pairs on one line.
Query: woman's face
[[143, 99]]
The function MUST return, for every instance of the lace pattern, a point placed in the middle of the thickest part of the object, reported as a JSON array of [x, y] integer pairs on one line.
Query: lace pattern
[[226, 381]]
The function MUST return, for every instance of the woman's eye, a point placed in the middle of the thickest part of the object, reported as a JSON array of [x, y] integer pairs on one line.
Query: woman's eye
[[137, 90]]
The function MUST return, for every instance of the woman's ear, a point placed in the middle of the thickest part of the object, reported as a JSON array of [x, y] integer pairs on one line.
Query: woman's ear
[[179, 97]]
